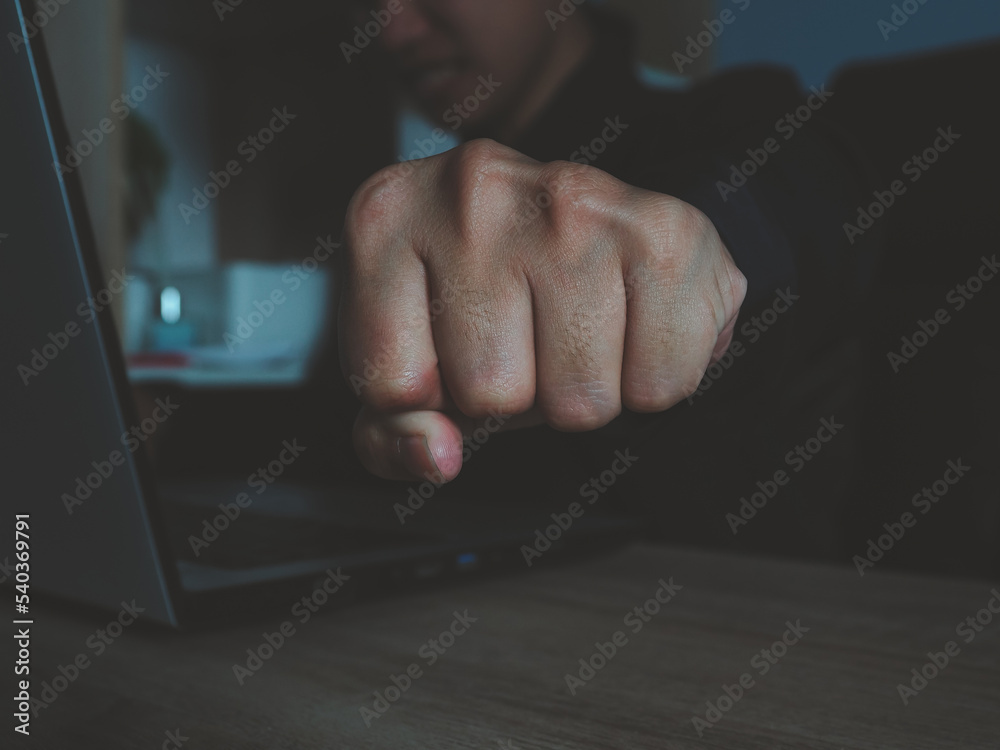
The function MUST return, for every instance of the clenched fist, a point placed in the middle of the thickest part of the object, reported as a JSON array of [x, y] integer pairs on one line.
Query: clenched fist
[[483, 282]]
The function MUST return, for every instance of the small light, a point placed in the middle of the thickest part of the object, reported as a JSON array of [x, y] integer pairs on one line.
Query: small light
[[170, 304]]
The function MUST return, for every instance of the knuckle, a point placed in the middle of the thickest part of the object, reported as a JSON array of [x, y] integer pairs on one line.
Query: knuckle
[[392, 390], [738, 286], [660, 395], [685, 387], [482, 181], [678, 249], [480, 168], [581, 408], [646, 398], [375, 207], [685, 220], [577, 195], [395, 395], [570, 416], [481, 155], [672, 230], [478, 399]]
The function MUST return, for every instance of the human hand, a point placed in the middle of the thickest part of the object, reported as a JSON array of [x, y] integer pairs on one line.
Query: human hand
[[460, 302]]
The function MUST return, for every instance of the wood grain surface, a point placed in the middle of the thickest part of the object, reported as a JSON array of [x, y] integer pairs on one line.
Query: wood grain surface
[[502, 683]]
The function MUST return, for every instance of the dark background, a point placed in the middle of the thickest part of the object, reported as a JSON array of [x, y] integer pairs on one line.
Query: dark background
[[903, 427]]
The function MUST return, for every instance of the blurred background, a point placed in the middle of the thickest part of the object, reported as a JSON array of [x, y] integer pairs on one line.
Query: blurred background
[[268, 79]]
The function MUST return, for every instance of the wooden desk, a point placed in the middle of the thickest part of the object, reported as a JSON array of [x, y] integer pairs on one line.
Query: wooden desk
[[502, 683]]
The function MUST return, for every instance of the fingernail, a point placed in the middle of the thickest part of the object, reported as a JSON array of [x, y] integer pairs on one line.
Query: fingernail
[[447, 457]]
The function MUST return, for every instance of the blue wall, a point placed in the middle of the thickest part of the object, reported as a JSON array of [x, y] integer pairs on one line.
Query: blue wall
[[817, 36]]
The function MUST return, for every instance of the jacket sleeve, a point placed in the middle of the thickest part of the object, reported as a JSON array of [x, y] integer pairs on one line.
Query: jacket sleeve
[[778, 194]]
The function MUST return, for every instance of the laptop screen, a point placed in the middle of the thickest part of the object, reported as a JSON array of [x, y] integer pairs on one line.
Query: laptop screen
[[64, 427]]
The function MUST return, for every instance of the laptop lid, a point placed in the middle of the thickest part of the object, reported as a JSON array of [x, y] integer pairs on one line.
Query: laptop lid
[[68, 461]]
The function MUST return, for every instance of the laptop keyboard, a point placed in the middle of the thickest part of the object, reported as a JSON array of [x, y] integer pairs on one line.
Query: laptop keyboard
[[253, 539]]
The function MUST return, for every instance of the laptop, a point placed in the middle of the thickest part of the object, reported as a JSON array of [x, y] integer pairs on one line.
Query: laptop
[[96, 526]]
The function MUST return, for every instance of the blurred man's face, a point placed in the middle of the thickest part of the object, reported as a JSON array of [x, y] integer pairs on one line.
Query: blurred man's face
[[445, 49]]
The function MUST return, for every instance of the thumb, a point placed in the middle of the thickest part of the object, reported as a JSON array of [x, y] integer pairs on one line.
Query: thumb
[[411, 445], [422, 444]]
